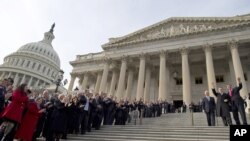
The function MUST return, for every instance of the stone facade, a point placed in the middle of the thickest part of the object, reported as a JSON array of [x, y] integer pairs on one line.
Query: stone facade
[[36, 64], [175, 59]]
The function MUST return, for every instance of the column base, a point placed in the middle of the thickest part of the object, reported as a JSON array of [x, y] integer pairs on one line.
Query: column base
[[248, 107]]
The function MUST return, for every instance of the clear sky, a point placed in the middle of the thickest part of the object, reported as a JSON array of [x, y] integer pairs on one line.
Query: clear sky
[[82, 26]]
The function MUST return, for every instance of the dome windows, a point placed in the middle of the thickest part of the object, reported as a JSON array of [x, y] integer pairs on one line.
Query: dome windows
[[44, 68], [28, 63], [22, 62], [17, 62], [39, 66], [33, 66], [48, 72]]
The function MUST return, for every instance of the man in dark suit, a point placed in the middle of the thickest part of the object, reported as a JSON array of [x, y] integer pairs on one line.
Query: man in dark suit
[[222, 106], [237, 103], [208, 105]]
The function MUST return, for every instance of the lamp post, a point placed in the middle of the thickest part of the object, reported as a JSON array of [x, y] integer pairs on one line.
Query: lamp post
[[59, 79]]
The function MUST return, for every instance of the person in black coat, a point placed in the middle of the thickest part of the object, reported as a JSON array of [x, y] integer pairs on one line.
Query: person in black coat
[[92, 109], [237, 103], [60, 117], [208, 105], [119, 114], [222, 108], [97, 113], [83, 105]]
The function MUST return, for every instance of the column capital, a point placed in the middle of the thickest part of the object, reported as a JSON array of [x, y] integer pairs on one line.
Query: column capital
[[87, 72], [163, 53], [73, 75], [184, 50], [107, 59], [124, 58], [233, 44], [207, 47], [143, 55]]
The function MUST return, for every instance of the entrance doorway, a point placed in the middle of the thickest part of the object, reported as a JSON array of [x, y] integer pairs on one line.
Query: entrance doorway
[[178, 103]]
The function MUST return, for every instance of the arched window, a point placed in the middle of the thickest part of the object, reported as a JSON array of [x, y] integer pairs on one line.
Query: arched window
[[22, 62], [48, 72], [33, 66], [28, 64], [39, 66], [44, 68], [17, 61], [12, 61]]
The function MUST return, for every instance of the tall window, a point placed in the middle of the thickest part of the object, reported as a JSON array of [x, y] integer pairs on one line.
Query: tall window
[[198, 80], [178, 81], [39, 66], [33, 66], [44, 69], [22, 62], [48, 72], [17, 61], [28, 64], [245, 76], [219, 78]]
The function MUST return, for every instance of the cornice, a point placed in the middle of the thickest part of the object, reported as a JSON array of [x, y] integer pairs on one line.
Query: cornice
[[216, 29]]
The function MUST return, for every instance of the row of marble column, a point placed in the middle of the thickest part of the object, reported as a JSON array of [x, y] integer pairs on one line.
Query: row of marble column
[[164, 76], [23, 79]]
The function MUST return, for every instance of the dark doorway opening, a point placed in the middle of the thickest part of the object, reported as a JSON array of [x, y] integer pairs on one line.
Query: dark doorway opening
[[178, 103]]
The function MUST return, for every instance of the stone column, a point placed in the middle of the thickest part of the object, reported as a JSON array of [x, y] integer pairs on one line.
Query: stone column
[[2, 76], [37, 83], [130, 83], [10, 74], [187, 97], [80, 81], [104, 77], [113, 82], [23, 79], [15, 80], [162, 77], [72, 81], [147, 84], [85, 81], [140, 85], [238, 67], [210, 68], [98, 82], [30, 81], [121, 81]]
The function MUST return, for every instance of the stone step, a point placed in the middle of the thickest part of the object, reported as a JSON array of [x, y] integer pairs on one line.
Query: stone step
[[142, 133], [163, 132], [146, 138]]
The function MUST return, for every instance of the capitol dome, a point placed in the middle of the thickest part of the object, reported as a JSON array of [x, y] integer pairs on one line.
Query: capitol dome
[[35, 63]]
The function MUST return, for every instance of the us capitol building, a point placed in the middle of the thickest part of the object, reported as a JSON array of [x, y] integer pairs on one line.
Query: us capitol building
[[36, 63], [176, 59]]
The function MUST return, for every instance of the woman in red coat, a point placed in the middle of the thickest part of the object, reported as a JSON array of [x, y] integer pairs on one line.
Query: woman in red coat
[[12, 115], [29, 122]]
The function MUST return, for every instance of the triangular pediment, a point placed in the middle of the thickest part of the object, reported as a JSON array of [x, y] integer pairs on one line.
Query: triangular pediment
[[179, 26]]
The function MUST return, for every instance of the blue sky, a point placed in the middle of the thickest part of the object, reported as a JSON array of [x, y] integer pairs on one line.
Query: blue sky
[[82, 26]]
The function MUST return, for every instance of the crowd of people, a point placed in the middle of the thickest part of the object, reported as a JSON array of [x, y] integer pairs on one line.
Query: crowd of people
[[27, 115]]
